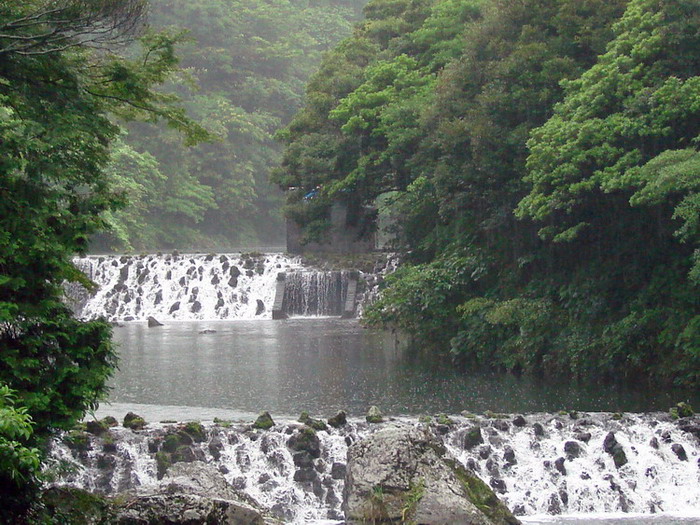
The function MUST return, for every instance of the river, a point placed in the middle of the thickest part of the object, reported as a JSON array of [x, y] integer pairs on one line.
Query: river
[[325, 365]]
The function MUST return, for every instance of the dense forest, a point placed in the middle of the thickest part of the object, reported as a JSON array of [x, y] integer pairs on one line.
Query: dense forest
[[244, 65], [540, 160]]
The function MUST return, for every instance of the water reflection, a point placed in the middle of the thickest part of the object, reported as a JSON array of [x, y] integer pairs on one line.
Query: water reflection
[[324, 365]]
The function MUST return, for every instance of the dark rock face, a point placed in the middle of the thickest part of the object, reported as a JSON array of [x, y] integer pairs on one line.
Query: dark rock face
[[338, 420], [133, 421], [572, 449], [403, 474], [612, 447], [679, 451], [153, 322], [306, 440], [472, 438]]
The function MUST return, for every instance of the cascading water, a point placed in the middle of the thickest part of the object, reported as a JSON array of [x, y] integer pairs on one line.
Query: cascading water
[[315, 293], [182, 287], [531, 462]]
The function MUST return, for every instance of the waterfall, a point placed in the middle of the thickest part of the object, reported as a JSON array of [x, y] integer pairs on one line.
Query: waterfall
[[530, 462], [181, 287], [315, 293]]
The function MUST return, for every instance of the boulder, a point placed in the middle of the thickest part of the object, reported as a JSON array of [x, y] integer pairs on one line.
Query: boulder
[[134, 421], [404, 474], [339, 420], [153, 322], [190, 493], [374, 415], [264, 421]]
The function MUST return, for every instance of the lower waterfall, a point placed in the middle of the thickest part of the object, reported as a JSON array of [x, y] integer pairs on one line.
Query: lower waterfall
[[537, 463]]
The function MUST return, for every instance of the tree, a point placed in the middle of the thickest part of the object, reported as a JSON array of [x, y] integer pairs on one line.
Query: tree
[[60, 88]]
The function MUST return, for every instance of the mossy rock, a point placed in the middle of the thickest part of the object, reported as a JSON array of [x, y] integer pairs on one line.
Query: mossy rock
[[77, 440], [444, 419], [110, 421], [481, 495], [473, 438], [264, 421], [171, 443], [72, 505], [306, 440], [225, 423], [374, 415], [339, 420], [163, 462], [183, 454], [134, 421], [195, 430], [96, 428], [316, 424]]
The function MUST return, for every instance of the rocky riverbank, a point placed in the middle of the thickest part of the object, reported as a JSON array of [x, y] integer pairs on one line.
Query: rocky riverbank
[[392, 470]]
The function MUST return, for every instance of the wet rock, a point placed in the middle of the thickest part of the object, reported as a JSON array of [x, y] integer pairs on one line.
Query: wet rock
[[264, 421], [666, 436], [374, 415], [316, 424], [654, 443], [472, 438], [585, 437], [559, 465], [612, 447], [216, 446], [573, 450], [96, 428], [174, 308], [303, 459], [339, 420], [538, 429], [196, 307], [400, 464], [554, 505], [153, 322], [498, 485], [519, 421], [338, 470], [133, 421], [492, 467], [485, 451], [679, 451], [233, 282], [690, 425], [305, 439], [501, 425], [260, 307], [190, 493], [305, 475], [509, 455], [207, 331]]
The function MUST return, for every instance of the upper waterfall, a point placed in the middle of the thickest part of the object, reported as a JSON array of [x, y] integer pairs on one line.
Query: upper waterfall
[[182, 287]]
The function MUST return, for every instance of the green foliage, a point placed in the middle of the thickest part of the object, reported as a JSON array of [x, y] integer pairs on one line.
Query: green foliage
[[17, 460], [60, 90], [541, 160], [245, 63]]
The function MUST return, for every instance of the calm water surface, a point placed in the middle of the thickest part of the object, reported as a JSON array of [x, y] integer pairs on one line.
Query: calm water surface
[[322, 366]]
